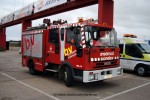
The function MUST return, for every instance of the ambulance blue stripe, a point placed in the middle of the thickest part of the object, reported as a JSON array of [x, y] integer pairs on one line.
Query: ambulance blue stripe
[[135, 59]]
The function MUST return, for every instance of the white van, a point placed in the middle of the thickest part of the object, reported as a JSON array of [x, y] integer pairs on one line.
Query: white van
[[134, 54]]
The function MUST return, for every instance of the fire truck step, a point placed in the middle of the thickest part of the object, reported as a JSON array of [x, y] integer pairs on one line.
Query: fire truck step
[[52, 70]]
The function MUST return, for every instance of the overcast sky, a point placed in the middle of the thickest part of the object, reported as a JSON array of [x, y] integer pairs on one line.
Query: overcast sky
[[130, 16]]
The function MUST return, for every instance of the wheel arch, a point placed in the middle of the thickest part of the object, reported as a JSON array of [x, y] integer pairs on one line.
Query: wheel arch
[[29, 60], [138, 65], [67, 64]]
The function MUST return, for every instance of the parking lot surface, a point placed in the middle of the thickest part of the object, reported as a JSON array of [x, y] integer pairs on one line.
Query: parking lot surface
[[17, 84]]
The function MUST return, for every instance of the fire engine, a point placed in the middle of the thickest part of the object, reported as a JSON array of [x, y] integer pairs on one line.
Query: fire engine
[[84, 51]]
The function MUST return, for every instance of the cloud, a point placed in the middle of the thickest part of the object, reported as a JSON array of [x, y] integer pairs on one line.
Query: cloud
[[132, 16]]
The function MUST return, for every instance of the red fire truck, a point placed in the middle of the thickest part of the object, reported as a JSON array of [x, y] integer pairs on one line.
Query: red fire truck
[[85, 51]]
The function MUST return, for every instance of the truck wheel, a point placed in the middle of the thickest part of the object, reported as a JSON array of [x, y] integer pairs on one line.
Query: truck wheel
[[141, 71], [68, 77], [31, 66]]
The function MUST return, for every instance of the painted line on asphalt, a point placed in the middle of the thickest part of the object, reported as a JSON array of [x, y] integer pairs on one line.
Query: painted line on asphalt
[[109, 93], [48, 95], [126, 91]]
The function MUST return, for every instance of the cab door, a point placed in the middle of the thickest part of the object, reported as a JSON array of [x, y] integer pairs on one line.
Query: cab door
[[72, 42], [53, 46], [123, 60]]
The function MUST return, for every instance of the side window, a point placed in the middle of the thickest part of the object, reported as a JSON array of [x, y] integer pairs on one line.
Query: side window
[[70, 36], [129, 49], [53, 36], [132, 50], [121, 48]]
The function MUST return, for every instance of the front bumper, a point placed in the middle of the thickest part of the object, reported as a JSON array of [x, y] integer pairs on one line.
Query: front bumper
[[97, 75]]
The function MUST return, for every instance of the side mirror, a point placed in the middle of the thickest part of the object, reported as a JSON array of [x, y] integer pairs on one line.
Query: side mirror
[[79, 51], [140, 56]]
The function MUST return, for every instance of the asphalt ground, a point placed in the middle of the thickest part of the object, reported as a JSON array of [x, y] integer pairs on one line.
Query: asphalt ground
[[17, 84]]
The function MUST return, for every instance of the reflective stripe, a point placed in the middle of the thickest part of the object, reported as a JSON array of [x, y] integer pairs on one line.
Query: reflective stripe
[[83, 37], [82, 33], [83, 42], [84, 46]]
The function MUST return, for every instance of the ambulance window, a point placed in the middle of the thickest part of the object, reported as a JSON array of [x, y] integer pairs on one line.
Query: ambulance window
[[132, 50], [121, 48], [129, 49], [53, 36]]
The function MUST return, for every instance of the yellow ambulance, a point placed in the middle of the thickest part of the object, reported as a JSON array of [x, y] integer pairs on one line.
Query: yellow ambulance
[[134, 54]]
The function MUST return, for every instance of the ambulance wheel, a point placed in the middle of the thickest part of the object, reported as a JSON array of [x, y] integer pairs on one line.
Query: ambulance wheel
[[68, 77], [31, 66], [141, 71]]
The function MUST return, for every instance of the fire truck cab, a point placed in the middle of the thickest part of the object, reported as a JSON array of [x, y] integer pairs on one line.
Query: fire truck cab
[[85, 51]]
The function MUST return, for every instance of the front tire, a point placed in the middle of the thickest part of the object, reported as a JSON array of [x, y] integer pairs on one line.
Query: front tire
[[141, 71], [68, 77]]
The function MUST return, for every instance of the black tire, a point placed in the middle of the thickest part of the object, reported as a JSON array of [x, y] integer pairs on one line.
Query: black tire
[[68, 77], [141, 71], [31, 67]]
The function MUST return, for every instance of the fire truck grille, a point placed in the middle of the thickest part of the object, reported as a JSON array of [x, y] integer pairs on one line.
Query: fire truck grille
[[105, 64]]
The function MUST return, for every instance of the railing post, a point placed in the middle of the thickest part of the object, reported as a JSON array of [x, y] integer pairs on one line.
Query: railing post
[[26, 24], [2, 39]]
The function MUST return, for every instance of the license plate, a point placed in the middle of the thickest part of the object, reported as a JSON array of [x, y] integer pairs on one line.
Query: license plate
[[107, 63], [107, 76]]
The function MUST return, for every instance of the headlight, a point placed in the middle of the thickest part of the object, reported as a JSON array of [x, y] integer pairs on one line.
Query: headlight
[[92, 76]]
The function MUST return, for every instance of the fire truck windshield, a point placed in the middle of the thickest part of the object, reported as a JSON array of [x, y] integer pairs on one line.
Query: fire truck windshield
[[100, 37]]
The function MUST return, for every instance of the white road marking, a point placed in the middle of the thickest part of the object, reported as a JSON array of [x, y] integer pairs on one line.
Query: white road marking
[[109, 97], [109, 92], [31, 87]]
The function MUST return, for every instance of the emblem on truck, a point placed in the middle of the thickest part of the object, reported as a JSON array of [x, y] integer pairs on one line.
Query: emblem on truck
[[29, 41], [107, 54], [68, 51]]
